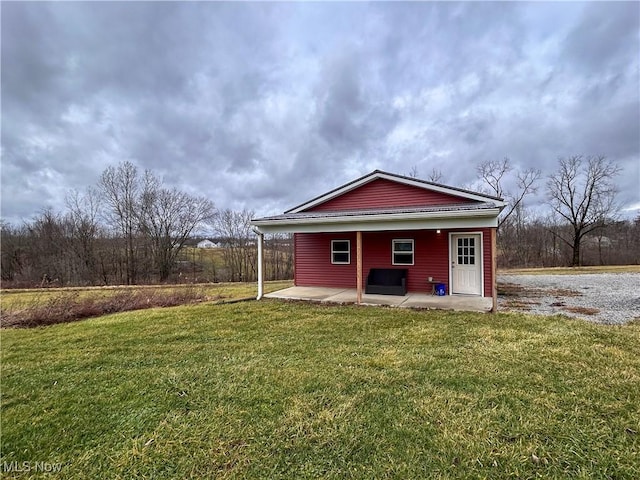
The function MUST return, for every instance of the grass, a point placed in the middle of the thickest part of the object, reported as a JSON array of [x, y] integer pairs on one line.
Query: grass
[[273, 389], [29, 308], [209, 260], [571, 270], [230, 290]]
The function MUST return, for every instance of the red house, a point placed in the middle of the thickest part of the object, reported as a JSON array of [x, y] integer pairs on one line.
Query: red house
[[391, 222]]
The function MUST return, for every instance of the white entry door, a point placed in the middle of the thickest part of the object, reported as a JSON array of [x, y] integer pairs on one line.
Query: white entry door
[[466, 264]]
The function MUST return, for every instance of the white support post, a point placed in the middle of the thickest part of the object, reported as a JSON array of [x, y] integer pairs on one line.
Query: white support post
[[260, 265]]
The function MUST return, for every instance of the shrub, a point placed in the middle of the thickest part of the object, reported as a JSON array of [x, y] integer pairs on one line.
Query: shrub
[[71, 306]]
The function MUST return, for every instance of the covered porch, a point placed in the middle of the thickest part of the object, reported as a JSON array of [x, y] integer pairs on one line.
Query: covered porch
[[469, 303], [383, 222], [434, 253]]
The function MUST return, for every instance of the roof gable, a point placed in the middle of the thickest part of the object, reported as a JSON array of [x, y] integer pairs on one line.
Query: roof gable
[[385, 190], [383, 193]]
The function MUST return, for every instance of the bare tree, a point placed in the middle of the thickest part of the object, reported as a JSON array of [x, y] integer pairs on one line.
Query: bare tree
[[583, 193], [48, 248], [279, 256], [435, 176], [167, 218], [154, 221], [83, 209], [516, 246], [494, 173], [12, 253], [120, 187], [239, 249]]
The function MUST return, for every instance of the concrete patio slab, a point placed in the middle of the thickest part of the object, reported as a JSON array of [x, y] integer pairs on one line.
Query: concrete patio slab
[[469, 303], [305, 293], [465, 303], [349, 296]]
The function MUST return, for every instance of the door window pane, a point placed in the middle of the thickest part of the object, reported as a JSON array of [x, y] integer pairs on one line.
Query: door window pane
[[466, 251]]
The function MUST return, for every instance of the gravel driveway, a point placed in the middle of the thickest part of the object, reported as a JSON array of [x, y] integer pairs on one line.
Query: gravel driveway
[[611, 298]]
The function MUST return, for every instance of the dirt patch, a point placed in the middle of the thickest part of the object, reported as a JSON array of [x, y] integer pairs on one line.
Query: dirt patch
[[522, 304], [582, 310], [517, 290], [563, 292]]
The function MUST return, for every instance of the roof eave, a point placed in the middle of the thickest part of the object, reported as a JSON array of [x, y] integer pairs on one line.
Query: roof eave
[[395, 221]]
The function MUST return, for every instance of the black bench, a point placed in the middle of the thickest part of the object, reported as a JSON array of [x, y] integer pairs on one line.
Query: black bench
[[387, 281]]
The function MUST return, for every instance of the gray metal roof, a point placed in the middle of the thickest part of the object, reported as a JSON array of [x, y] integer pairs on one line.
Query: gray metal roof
[[459, 207]]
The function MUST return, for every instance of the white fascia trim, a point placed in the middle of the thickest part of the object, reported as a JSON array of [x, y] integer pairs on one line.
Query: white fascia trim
[[488, 218], [441, 189], [406, 181], [336, 193]]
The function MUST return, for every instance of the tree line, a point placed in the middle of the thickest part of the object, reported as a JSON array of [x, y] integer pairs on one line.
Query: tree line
[[581, 225], [130, 228]]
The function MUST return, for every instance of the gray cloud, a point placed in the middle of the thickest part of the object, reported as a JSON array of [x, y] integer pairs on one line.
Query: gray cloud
[[605, 36], [265, 105]]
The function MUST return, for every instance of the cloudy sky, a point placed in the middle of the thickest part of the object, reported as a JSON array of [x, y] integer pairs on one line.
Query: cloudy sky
[[264, 105]]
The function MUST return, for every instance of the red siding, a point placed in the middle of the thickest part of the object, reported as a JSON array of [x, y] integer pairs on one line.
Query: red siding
[[431, 258], [382, 193], [313, 267]]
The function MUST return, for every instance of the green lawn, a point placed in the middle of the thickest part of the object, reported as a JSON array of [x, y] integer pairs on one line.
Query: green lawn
[[272, 389]]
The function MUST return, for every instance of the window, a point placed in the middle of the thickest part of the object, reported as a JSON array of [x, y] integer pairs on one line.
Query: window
[[340, 252], [466, 251], [402, 252]]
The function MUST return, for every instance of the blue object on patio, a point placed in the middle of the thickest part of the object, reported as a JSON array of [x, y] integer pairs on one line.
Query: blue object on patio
[[441, 289]]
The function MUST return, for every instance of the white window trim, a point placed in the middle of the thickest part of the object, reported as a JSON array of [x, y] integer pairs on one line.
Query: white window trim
[[413, 250], [348, 252]]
